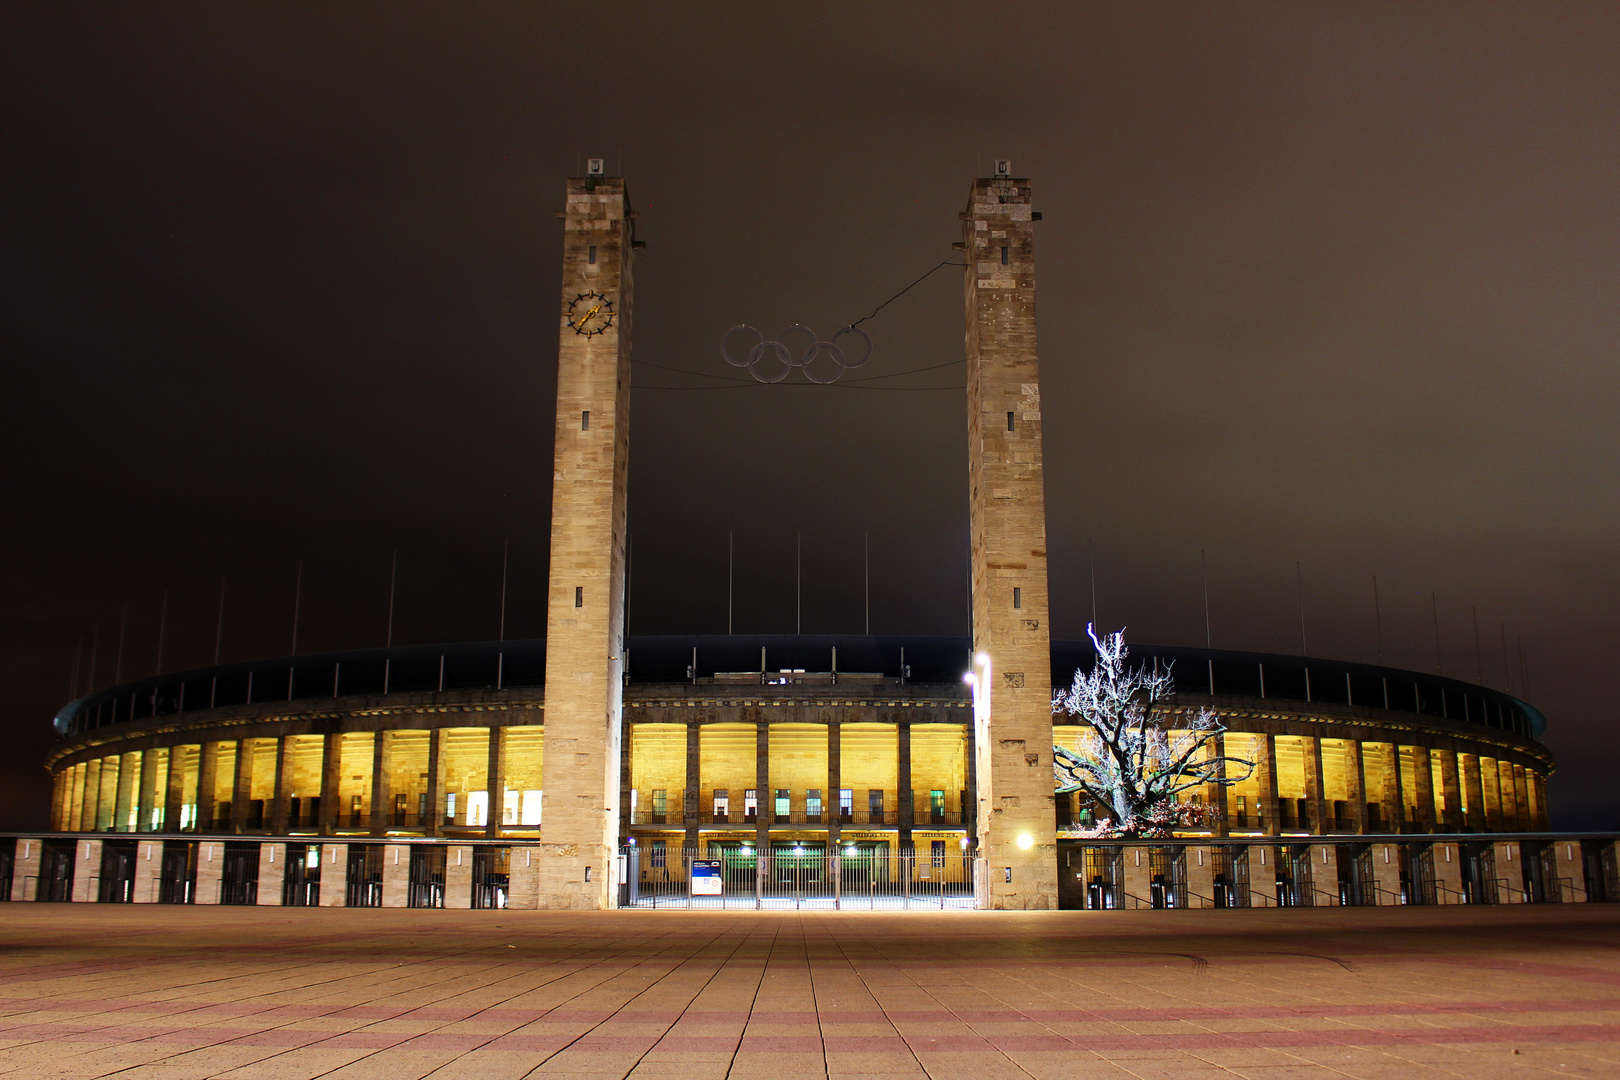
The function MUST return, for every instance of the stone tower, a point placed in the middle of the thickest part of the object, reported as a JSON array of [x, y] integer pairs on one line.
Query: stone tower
[[585, 604], [1013, 744]]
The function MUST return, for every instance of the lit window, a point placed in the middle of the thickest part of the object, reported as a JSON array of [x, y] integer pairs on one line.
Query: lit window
[[477, 808], [531, 807], [784, 804]]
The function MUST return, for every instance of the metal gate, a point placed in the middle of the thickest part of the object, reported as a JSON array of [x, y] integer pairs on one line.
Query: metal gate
[[177, 876], [863, 875], [239, 874], [1167, 882], [301, 876], [117, 872], [427, 877], [491, 877], [56, 858], [365, 876], [1230, 874], [1105, 878]]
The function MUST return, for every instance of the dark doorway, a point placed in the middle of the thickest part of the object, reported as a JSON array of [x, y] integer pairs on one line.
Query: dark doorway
[[301, 876], [56, 858], [365, 876], [239, 875], [177, 878], [491, 877], [117, 872], [427, 877], [8, 859]]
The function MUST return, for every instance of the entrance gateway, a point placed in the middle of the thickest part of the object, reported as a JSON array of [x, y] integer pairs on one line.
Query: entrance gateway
[[1014, 811]]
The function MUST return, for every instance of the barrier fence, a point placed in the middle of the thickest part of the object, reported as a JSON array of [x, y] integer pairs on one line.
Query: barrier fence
[[793, 877]]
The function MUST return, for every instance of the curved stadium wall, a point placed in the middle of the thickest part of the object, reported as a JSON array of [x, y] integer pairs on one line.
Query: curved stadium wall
[[798, 739]]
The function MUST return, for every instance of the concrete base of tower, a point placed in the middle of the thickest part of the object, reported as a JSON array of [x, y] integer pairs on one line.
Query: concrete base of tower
[[575, 877], [1019, 879]]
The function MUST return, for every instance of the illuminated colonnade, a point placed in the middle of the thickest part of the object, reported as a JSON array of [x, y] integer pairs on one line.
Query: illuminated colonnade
[[419, 781]]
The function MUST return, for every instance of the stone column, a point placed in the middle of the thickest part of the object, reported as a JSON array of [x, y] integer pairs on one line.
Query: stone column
[[25, 870], [396, 882], [694, 784], [1451, 785], [970, 806], [1324, 874], [334, 868], [1448, 873], [1509, 872], [523, 879], [1200, 877], [174, 800], [148, 869], [331, 785], [435, 785], [497, 789], [127, 792], [147, 800], [1510, 797], [1387, 873], [1521, 799], [762, 788], [242, 789], [272, 873], [1314, 784], [1570, 888], [207, 782], [833, 804], [210, 868], [1138, 878], [1355, 783], [1007, 547], [90, 807], [87, 872], [1475, 790], [907, 799], [1423, 789], [458, 876], [1543, 812], [1216, 795], [379, 811], [1266, 768], [75, 810], [282, 800], [1394, 796]]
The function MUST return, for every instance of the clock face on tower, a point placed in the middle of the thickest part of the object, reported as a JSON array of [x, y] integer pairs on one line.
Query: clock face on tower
[[590, 313]]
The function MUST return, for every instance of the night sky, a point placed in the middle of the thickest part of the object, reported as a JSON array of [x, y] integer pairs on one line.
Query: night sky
[[1325, 284]]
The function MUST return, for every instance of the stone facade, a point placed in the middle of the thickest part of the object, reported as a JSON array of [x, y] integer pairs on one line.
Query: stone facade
[[1007, 506]]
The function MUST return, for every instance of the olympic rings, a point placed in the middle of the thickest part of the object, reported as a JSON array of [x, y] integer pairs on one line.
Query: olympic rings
[[800, 347]]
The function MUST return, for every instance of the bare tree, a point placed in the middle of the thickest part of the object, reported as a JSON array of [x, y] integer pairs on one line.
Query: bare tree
[[1130, 759]]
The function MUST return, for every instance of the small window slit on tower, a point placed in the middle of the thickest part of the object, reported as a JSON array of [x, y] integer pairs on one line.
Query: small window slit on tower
[[590, 255], [1003, 256], [1009, 421], [585, 420], [579, 596], [1018, 597]]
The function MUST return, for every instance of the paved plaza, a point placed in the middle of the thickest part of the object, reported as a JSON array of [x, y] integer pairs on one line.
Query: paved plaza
[[162, 993]]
